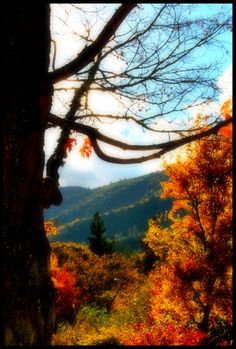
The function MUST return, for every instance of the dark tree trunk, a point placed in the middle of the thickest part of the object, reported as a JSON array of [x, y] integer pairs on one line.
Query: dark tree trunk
[[28, 289]]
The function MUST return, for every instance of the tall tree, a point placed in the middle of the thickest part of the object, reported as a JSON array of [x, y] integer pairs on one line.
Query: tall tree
[[28, 92], [28, 290], [193, 282], [99, 244]]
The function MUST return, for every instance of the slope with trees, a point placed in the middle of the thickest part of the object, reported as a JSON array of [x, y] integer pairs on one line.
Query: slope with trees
[[125, 208]]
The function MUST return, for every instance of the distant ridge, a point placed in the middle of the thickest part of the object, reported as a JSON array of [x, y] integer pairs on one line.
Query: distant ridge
[[125, 207]]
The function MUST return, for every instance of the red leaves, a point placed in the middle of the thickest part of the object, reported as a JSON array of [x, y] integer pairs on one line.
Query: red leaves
[[226, 111], [169, 334], [226, 131], [86, 149], [189, 264], [68, 145], [67, 296]]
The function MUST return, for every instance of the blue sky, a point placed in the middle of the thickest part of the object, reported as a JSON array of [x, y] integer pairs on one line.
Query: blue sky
[[93, 172]]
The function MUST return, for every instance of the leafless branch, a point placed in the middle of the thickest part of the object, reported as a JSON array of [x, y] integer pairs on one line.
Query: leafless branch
[[164, 147], [89, 53]]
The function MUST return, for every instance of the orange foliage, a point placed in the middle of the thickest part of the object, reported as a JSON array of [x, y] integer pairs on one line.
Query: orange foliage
[[50, 228], [99, 278], [226, 130], [67, 297], [226, 111], [170, 334], [86, 149], [193, 283]]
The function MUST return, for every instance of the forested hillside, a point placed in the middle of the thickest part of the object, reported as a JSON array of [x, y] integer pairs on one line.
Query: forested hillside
[[125, 207]]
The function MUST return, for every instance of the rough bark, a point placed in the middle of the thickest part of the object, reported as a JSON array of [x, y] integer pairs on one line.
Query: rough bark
[[28, 315]]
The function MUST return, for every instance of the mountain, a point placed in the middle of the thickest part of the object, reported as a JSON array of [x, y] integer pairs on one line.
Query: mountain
[[125, 207]]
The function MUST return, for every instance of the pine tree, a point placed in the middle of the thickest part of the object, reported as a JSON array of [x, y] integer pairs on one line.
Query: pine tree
[[99, 244]]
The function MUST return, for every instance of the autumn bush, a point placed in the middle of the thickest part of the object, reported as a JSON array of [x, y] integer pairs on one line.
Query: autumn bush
[[99, 278], [67, 295], [170, 334], [111, 295]]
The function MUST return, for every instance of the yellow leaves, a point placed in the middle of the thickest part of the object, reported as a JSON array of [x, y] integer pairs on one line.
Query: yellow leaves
[[158, 239], [53, 261], [200, 184], [197, 245], [169, 303], [226, 109], [113, 278], [50, 228]]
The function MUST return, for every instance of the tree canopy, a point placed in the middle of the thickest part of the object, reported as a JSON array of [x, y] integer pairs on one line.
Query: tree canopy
[[194, 280]]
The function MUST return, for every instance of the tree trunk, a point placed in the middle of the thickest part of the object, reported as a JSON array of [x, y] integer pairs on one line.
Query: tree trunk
[[28, 290]]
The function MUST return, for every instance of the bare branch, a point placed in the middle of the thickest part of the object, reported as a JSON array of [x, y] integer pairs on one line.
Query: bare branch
[[164, 147], [89, 53], [158, 75]]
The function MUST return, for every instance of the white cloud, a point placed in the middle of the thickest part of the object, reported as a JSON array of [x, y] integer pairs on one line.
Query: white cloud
[[225, 83], [103, 103], [70, 27], [101, 173], [115, 64]]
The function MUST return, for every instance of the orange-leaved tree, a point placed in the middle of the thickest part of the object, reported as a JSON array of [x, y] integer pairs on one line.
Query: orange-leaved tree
[[193, 283], [67, 294]]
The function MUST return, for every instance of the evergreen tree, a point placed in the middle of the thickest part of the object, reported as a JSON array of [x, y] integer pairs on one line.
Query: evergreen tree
[[99, 244]]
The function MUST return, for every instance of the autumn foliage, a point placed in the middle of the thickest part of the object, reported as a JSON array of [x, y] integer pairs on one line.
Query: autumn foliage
[[67, 295], [226, 111], [193, 284], [68, 145], [50, 228], [184, 297], [170, 334], [86, 148]]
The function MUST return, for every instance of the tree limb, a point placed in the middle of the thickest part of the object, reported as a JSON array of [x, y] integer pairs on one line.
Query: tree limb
[[88, 53], [164, 147]]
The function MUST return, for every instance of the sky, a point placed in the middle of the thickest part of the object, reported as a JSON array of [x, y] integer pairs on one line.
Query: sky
[[93, 172]]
